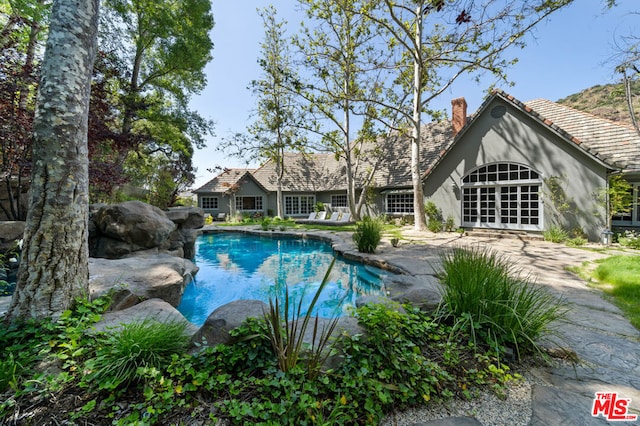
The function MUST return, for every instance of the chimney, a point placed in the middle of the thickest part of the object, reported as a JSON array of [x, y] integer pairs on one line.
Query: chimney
[[458, 115]]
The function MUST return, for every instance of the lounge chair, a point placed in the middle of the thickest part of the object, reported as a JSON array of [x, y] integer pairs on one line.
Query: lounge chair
[[346, 218], [221, 217], [333, 219], [314, 218], [311, 218]]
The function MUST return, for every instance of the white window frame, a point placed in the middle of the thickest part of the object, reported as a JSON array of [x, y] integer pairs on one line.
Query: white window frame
[[482, 194], [407, 206], [204, 200], [339, 200], [299, 205]]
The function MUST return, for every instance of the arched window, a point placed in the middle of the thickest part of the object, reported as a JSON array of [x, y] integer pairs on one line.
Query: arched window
[[502, 195]]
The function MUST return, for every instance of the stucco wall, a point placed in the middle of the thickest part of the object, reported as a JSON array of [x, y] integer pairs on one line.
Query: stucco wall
[[515, 137]]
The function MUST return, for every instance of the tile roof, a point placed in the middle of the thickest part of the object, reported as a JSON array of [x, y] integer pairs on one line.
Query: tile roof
[[308, 172], [316, 172], [395, 169], [224, 181], [612, 143], [616, 144]]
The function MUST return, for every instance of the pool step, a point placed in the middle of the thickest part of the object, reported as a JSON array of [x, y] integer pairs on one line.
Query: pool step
[[370, 278], [376, 272]]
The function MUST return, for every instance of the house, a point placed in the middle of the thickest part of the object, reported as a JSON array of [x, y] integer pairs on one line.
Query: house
[[511, 166], [530, 166]]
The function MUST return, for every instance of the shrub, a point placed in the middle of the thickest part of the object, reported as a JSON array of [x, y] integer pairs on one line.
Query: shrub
[[576, 242], [265, 224], [450, 224], [434, 225], [432, 211], [629, 239], [368, 234], [555, 234], [483, 292], [123, 355]]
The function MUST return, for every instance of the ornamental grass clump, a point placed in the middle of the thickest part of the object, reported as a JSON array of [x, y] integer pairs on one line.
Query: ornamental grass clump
[[286, 331], [125, 354], [498, 303], [368, 234]]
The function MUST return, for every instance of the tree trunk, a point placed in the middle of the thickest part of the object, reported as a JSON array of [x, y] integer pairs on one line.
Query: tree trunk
[[54, 268], [280, 177], [416, 176]]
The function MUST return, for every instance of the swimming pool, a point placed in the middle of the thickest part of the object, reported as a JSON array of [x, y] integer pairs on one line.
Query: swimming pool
[[235, 266]]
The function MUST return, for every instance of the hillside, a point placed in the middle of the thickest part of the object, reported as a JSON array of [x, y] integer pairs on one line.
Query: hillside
[[607, 101]]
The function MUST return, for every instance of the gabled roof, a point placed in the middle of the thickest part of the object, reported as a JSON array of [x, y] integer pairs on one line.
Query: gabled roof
[[226, 180], [395, 167], [317, 172], [615, 145], [304, 172]]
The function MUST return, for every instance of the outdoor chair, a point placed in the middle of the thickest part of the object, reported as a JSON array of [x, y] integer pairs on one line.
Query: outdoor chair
[[311, 218], [334, 218], [346, 217], [221, 217]]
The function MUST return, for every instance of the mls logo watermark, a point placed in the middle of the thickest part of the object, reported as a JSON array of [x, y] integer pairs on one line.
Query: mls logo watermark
[[612, 408]]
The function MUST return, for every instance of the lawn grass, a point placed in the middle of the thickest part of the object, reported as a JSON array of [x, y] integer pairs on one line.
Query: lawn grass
[[619, 277]]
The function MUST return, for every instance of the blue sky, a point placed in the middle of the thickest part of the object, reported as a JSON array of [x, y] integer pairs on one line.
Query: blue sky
[[569, 52]]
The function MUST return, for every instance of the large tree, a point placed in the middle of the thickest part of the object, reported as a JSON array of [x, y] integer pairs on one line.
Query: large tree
[[437, 41], [54, 267], [24, 24], [628, 65], [339, 49], [162, 48], [276, 124]]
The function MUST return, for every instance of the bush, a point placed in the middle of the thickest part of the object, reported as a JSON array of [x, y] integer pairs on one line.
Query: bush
[[483, 292], [450, 224], [368, 234], [432, 211], [576, 242], [434, 225], [555, 234], [629, 239], [125, 354]]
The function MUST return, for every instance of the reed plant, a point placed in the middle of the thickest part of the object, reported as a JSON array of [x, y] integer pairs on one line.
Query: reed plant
[[286, 331], [368, 234], [501, 305]]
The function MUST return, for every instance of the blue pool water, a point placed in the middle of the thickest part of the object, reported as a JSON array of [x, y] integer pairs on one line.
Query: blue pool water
[[236, 266]]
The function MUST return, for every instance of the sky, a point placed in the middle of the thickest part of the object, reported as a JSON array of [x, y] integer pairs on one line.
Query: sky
[[571, 51]]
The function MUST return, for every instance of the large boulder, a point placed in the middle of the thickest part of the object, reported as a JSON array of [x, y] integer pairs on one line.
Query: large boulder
[[220, 322], [139, 278], [136, 228], [186, 217], [424, 292], [10, 232], [134, 222]]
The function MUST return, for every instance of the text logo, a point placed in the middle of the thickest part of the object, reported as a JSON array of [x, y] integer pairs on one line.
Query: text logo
[[612, 407]]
